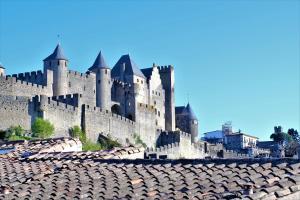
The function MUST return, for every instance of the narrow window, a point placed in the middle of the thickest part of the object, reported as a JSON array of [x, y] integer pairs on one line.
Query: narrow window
[[69, 84], [137, 80], [106, 71], [58, 62], [84, 88], [98, 81]]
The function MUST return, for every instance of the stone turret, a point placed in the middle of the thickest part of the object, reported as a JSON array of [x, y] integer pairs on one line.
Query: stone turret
[[187, 121], [55, 68], [2, 70], [103, 82], [168, 82], [193, 123]]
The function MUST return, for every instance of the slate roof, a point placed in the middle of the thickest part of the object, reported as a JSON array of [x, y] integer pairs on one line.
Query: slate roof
[[91, 178], [57, 54], [147, 72], [179, 109], [99, 63], [186, 110], [131, 67]]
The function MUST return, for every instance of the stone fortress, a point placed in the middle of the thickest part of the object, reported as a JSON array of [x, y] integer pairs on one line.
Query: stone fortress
[[123, 102]]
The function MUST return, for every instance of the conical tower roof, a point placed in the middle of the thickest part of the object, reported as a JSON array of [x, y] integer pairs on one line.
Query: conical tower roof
[[57, 54], [189, 111], [99, 63]]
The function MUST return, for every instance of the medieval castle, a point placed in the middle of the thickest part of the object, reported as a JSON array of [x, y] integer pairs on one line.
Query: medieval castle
[[123, 101]]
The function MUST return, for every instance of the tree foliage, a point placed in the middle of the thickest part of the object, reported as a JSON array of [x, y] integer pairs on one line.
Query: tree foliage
[[42, 128], [76, 132], [108, 142], [16, 133], [294, 134], [279, 136]]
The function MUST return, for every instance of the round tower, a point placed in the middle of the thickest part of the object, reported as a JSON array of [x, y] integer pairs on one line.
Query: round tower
[[103, 82], [2, 70], [192, 123], [56, 64]]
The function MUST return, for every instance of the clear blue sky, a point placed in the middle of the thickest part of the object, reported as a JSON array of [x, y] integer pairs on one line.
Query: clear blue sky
[[238, 60]]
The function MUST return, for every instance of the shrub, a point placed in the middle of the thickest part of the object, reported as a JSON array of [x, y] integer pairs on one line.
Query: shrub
[[138, 140], [15, 130], [16, 133], [108, 142], [76, 132], [91, 146], [42, 128], [16, 137]]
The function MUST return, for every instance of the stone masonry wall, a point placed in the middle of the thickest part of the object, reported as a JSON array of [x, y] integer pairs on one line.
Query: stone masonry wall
[[13, 87], [62, 115], [84, 84], [15, 110], [97, 121]]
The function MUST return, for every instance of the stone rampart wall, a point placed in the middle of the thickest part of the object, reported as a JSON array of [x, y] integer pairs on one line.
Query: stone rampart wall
[[16, 110]]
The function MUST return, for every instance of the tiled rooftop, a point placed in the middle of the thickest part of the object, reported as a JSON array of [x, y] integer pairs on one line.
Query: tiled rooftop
[[25, 148], [102, 175]]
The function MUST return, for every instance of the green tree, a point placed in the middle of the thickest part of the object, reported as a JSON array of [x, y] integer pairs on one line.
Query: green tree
[[294, 134], [42, 128], [280, 137]]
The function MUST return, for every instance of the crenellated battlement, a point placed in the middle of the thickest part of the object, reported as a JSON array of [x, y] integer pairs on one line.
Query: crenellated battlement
[[15, 80], [166, 68], [76, 74], [70, 99], [34, 76], [185, 135], [97, 110], [47, 103], [164, 148]]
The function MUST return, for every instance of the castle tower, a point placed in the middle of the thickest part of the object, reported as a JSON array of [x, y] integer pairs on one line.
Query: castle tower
[[103, 82], [192, 122], [168, 82], [2, 70], [56, 71], [187, 121]]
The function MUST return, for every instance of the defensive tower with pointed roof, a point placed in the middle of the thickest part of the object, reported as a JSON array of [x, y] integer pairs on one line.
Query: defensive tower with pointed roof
[[187, 121], [103, 82], [123, 101], [56, 70]]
